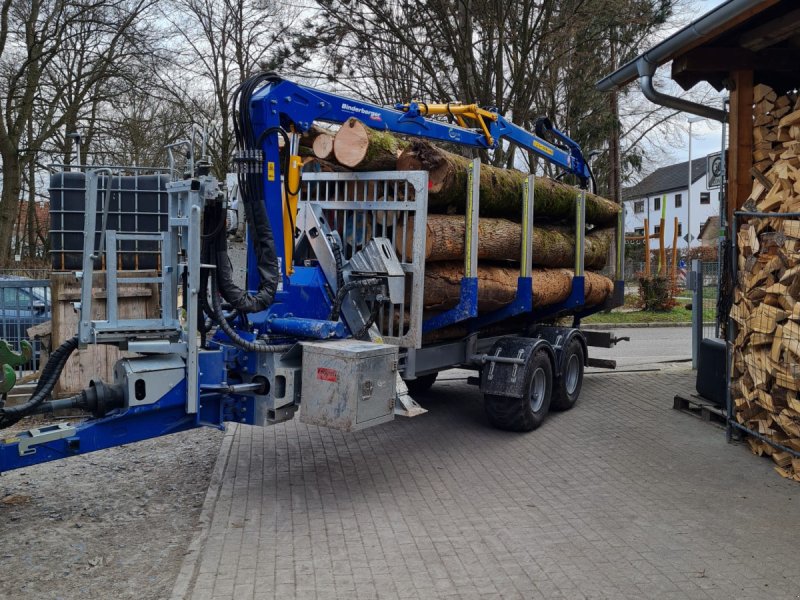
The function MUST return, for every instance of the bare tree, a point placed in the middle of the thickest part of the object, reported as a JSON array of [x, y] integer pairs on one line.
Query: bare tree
[[526, 58], [219, 43], [55, 58]]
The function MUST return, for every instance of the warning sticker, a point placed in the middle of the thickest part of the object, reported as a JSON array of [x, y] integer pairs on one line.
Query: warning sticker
[[270, 171], [326, 374]]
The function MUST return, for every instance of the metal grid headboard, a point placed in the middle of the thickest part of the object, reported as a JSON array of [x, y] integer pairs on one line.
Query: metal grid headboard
[[361, 206]]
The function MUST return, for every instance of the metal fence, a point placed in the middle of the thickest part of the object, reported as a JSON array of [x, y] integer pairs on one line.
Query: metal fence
[[704, 284], [710, 281], [23, 304]]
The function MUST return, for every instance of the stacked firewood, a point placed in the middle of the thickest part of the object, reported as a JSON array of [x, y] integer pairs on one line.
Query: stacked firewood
[[358, 147], [765, 383]]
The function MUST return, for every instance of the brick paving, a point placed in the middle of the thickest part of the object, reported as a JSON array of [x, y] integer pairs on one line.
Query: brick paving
[[621, 497]]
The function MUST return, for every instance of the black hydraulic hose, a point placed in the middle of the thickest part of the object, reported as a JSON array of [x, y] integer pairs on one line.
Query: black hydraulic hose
[[336, 309], [238, 340], [339, 259], [251, 189], [373, 315], [267, 263], [50, 374]]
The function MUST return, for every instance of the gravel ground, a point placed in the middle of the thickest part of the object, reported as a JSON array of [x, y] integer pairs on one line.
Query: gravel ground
[[112, 524]]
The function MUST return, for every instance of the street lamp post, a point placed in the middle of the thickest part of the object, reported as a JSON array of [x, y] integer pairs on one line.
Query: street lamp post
[[689, 190]]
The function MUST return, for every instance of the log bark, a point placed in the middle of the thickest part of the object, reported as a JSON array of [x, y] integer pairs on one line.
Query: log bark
[[359, 147], [500, 189], [501, 239], [497, 286], [319, 165]]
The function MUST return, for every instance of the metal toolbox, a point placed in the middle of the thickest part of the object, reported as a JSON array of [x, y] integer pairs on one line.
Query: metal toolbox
[[348, 384]]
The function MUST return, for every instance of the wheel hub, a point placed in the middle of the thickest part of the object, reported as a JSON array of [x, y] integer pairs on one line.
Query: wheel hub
[[538, 389], [571, 374]]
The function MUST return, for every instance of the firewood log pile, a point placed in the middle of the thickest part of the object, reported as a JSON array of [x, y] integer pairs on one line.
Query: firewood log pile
[[357, 147], [765, 382]]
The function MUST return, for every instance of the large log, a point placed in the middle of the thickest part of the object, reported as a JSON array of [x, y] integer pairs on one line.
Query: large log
[[497, 286], [500, 189], [501, 239], [364, 149]]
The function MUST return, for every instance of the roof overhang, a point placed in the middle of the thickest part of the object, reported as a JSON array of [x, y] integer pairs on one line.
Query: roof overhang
[[711, 27]]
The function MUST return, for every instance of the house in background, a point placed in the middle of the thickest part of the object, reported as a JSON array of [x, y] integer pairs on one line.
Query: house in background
[[670, 185]]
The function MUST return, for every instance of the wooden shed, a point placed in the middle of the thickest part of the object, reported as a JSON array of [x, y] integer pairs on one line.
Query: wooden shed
[[751, 48]]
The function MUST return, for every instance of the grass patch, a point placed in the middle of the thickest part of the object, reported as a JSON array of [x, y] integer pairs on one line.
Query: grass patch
[[677, 314]]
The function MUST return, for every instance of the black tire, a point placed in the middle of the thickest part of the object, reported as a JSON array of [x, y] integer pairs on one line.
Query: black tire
[[528, 412], [568, 384], [421, 384]]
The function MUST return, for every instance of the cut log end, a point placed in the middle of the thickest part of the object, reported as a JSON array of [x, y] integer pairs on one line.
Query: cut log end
[[352, 143], [362, 148], [323, 146]]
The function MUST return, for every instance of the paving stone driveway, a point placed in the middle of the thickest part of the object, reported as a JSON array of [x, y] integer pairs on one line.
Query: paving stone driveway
[[621, 497]]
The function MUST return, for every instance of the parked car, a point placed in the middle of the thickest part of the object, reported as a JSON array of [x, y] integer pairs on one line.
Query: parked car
[[24, 302]]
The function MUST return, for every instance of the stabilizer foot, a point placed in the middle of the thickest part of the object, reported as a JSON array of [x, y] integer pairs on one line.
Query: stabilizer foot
[[405, 405]]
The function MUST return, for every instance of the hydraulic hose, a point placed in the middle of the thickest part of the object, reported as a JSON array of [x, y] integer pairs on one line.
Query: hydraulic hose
[[341, 294], [251, 189], [50, 374], [235, 338]]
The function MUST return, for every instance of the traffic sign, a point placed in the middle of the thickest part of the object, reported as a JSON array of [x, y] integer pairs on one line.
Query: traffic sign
[[714, 170]]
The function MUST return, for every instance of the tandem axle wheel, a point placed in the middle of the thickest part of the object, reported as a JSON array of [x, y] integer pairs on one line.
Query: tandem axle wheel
[[522, 379]]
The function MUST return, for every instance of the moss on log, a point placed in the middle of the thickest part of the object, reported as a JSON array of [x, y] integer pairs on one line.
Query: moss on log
[[500, 189]]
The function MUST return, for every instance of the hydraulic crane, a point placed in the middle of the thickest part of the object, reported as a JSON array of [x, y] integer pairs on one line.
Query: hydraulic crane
[[330, 322]]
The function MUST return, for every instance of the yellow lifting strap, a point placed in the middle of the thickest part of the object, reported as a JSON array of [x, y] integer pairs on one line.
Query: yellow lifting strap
[[290, 211], [460, 112]]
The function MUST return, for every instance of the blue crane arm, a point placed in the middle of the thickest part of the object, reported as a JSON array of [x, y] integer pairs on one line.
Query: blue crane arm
[[289, 104]]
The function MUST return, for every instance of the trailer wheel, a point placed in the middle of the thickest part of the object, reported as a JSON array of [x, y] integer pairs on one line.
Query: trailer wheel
[[421, 384], [528, 412], [568, 385]]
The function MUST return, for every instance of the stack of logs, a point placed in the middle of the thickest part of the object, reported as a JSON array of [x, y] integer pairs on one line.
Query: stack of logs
[[765, 383], [357, 147]]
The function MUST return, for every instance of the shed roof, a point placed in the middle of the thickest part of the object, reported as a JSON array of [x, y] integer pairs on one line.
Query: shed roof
[[762, 35]]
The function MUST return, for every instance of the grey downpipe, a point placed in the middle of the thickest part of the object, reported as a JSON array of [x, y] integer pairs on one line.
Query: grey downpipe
[[646, 72]]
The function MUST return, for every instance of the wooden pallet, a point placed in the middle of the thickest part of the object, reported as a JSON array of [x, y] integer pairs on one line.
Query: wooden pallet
[[702, 409]]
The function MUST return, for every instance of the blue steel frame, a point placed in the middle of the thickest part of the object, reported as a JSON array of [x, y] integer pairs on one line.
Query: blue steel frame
[[124, 426]]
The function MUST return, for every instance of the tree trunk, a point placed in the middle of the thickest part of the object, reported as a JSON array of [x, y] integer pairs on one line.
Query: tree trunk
[[358, 147], [9, 204], [500, 189], [497, 286], [500, 239]]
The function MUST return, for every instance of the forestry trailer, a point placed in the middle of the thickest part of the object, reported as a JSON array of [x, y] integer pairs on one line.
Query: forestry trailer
[[331, 322]]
